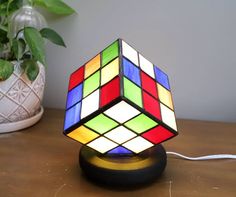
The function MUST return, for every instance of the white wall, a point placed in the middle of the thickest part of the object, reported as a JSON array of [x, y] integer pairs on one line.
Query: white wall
[[194, 41]]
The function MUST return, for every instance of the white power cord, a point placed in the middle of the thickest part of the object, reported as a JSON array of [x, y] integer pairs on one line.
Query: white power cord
[[205, 157]]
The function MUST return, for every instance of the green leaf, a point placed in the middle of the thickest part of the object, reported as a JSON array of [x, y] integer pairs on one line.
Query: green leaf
[[53, 36], [6, 69], [18, 47], [31, 68], [3, 1], [35, 42], [15, 5], [55, 6], [3, 8]]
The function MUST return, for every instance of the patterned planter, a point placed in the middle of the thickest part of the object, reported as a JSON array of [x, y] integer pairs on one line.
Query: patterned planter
[[20, 100]]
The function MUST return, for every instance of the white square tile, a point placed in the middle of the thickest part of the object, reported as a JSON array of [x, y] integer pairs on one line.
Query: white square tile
[[102, 144], [122, 112], [120, 134], [168, 117], [146, 66], [138, 144], [90, 104], [130, 53]]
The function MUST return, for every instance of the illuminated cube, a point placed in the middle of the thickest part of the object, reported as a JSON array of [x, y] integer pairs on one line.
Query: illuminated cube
[[119, 102]]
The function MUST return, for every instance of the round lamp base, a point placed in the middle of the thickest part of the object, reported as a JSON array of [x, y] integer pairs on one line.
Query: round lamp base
[[122, 171]]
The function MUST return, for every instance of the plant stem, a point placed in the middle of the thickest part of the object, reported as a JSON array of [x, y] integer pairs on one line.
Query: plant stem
[[8, 22]]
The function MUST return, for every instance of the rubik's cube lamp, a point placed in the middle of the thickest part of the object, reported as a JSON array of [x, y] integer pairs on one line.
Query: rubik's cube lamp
[[119, 106]]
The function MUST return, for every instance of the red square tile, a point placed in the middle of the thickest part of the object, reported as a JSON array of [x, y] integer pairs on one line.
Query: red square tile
[[157, 135], [151, 105], [76, 77], [149, 84], [110, 91]]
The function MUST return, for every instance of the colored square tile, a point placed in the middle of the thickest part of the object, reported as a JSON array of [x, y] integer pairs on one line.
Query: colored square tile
[[132, 92], [76, 78], [101, 124], [92, 66], [129, 52], [157, 135], [146, 66], [74, 96], [151, 105], [149, 84], [72, 116], [102, 144], [161, 78], [90, 104], [110, 71], [82, 135], [120, 150], [140, 123], [168, 117], [110, 53], [131, 71], [165, 96], [138, 144], [110, 91], [120, 134], [122, 112], [91, 83]]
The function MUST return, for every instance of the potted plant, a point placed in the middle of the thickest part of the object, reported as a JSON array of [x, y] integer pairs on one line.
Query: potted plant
[[23, 31]]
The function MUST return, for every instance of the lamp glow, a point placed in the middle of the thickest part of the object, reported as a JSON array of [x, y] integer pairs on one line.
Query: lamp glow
[[120, 134], [119, 103], [122, 112]]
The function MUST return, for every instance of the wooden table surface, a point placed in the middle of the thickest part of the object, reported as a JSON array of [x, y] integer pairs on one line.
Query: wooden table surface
[[41, 162]]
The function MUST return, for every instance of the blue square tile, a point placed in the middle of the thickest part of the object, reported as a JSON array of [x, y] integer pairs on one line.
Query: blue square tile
[[161, 78], [131, 71], [120, 150], [74, 96], [72, 116]]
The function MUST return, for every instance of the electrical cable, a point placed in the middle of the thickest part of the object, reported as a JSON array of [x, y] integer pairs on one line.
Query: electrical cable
[[205, 157]]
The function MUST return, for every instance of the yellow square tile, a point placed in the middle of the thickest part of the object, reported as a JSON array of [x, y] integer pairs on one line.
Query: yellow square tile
[[165, 96], [110, 71], [92, 66], [83, 135]]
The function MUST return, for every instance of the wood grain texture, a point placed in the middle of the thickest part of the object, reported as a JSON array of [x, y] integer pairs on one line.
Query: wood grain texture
[[40, 161]]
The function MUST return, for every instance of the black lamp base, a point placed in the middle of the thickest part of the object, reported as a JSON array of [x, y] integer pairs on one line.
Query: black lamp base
[[123, 171]]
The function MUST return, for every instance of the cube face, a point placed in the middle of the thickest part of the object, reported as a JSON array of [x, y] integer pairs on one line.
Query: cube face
[[119, 103]]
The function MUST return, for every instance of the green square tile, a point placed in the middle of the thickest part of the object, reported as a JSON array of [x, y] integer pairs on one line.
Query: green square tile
[[132, 92], [110, 53], [91, 84], [101, 124], [141, 123]]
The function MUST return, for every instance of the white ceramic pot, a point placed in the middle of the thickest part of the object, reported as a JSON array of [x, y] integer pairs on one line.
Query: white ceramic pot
[[20, 100]]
